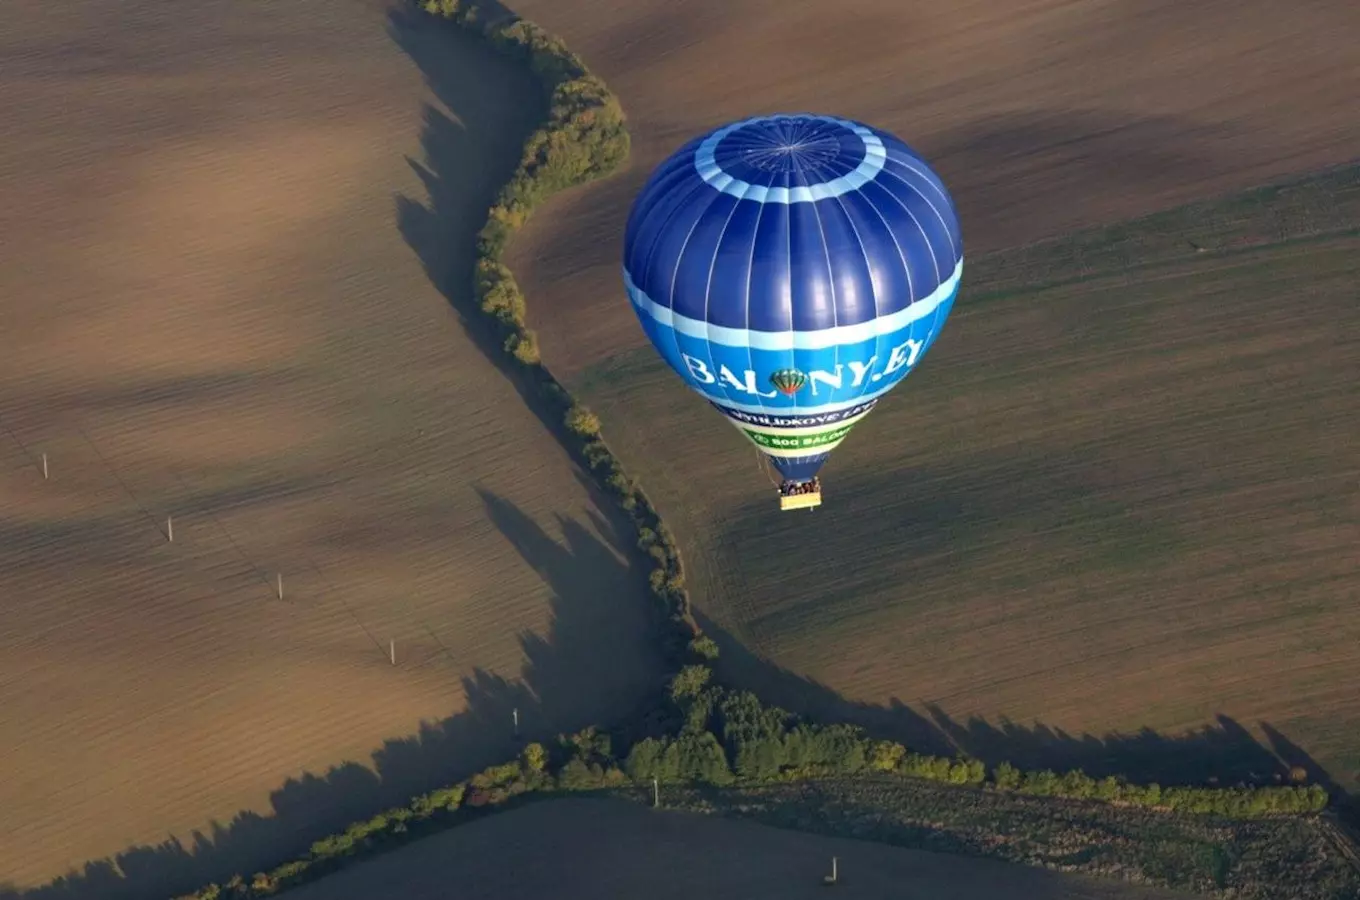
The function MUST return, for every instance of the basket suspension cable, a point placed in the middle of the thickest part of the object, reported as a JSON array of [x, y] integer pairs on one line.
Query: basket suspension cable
[[763, 464]]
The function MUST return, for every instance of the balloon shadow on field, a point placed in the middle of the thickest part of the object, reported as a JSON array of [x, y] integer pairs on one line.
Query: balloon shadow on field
[[594, 666]]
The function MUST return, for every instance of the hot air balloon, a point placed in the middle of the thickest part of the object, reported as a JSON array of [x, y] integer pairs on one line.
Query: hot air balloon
[[792, 269]]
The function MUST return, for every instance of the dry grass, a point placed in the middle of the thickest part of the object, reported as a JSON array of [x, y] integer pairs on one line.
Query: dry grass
[[1122, 503], [209, 312], [597, 848]]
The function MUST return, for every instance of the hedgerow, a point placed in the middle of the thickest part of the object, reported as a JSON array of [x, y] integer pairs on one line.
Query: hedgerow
[[718, 737]]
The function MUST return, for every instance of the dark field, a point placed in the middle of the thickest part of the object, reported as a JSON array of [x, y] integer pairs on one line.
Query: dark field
[[597, 848], [1126, 501], [1280, 859]]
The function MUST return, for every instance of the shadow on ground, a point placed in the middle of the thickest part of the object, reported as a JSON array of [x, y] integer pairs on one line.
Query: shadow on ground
[[472, 139], [470, 149], [1224, 753], [460, 173], [930, 518], [558, 667]]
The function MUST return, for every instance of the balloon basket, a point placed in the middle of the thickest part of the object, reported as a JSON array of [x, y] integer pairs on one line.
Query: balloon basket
[[801, 501]]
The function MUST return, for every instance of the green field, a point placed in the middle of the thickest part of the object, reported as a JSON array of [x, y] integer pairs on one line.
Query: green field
[[1116, 509]]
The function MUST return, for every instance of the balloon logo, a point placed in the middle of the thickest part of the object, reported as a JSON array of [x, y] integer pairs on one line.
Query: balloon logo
[[788, 381], [792, 270]]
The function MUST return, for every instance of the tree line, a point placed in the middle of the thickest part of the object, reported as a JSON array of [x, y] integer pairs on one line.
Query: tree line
[[726, 736], [583, 137], [704, 733], [717, 736]]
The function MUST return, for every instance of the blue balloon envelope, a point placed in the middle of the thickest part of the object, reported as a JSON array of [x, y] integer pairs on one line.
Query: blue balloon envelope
[[792, 269]]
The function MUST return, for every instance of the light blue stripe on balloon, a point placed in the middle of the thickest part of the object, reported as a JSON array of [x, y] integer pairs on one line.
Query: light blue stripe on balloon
[[793, 340], [703, 372], [709, 170]]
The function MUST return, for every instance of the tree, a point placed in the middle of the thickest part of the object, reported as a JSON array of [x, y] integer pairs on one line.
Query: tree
[[535, 757], [576, 775], [835, 748], [697, 757], [1107, 789], [689, 682], [645, 760], [1006, 776], [1041, 783], [760, 758], [755, 735], [523, 346], [597, 455], [704, 647], [582, 421], [589, 745], [1077, 785], [884, 756]]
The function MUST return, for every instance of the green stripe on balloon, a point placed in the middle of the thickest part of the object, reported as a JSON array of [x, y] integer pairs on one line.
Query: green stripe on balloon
[[778, 441]]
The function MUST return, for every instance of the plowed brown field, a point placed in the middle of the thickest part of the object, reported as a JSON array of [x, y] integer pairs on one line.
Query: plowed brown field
[[1118, 504], [209, 312], [1041, 115]]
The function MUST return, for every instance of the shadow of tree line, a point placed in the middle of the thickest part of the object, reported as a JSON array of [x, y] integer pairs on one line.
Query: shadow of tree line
[[468, 155], [566, 662], [1225, 750], [1223, 753], [469, 152], [580, 656]]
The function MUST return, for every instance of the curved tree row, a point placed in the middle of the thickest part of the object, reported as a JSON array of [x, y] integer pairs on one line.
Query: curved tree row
[[709, 734]]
